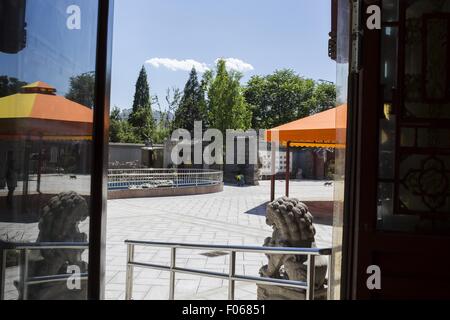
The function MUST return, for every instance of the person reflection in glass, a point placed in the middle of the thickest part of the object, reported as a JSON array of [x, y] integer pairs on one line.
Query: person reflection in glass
[[8, 178]]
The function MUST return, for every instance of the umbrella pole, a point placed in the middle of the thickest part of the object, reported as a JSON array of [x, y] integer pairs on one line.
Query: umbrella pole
[[272, 188], [26, 176], [39, 168], [288, 167], [273, 176]]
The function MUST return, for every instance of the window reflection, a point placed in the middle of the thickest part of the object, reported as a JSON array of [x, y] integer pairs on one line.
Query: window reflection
[[47, 58], [342, 74]]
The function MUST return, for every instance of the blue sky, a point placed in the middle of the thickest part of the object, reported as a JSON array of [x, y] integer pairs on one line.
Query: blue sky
[[261, 35], [54, 53]]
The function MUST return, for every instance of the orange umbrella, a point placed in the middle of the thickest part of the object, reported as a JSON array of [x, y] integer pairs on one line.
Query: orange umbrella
[[322, 130], [38, 113]]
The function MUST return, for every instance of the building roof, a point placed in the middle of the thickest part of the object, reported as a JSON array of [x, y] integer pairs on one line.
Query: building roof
[[43, 106], [325, 129], [39, 84], [37, 105]]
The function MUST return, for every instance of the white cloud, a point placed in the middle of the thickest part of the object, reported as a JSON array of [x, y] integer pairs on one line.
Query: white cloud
[[186, 65], [176, 65], [237, 65]]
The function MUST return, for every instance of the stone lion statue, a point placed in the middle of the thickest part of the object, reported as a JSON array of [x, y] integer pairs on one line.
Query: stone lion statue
[[59, 222], [292, 225]]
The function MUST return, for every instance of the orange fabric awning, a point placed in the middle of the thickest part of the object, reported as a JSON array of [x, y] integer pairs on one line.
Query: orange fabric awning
[[323, 130]]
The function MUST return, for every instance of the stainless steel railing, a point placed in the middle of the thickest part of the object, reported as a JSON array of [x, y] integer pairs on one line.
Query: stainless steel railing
[[156, 178], [232, 277], [24, 280]]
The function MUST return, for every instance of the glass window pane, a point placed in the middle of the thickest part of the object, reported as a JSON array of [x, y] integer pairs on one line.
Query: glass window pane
[[425, 184], [408, 137], [387, 147], [388, 220], [390, 10], [388, 66], [47, 77], [413, 144], [385, 206]]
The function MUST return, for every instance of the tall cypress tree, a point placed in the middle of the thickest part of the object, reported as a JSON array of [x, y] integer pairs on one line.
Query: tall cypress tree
[[192, 105], [142, 116], [142, 93]]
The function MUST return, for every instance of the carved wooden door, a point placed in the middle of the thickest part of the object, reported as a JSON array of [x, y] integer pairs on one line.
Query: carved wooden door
[[401, 212]]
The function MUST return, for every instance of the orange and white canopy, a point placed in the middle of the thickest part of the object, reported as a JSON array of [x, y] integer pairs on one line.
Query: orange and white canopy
[[323, 130]]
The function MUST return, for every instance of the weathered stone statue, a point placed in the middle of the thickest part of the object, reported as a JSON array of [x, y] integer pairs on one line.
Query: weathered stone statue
[[292, 225], [59, 222]]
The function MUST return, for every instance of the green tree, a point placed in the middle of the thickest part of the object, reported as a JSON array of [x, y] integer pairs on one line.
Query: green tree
[[192, 106], [142, 123], [226, 105], [114, 125], [82, 89], [119, 129], [10, 86], [141, 118], [285, 96], [324, 97], [142, 93], [126, 133]]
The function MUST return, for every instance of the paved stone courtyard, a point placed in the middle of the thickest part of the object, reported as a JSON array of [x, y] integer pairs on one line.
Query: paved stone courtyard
[[232, 217]]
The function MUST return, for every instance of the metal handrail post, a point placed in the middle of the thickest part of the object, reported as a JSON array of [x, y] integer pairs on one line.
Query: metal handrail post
[[231, 274], [330, 265], [310, 280], [129, 272], [309, 285], [173, 259], [3, 254], [23, 282]]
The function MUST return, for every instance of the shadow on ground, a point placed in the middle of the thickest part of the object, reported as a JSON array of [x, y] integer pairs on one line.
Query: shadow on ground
[[322, 211], [259, 210]]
